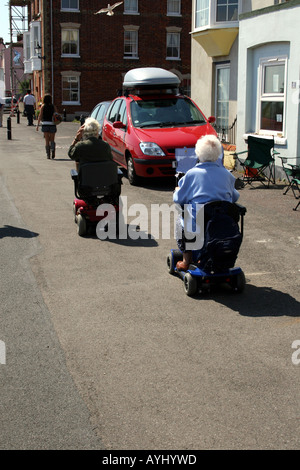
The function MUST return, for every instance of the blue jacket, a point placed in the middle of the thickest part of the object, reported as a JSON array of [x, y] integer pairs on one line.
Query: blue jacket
[[204, 183]]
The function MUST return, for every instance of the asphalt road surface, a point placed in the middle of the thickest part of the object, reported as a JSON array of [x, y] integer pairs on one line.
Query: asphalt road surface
[[100, 348]]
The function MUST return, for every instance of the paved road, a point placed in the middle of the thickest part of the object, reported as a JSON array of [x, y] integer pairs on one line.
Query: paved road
[[103, 348]]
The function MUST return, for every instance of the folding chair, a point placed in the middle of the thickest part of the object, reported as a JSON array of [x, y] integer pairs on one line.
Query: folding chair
[[292, 172], [259, 164], [296, 186]]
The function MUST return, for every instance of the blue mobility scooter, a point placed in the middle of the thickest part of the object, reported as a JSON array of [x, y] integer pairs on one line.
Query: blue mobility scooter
[[222, 240], [213, 265], [96, 183]]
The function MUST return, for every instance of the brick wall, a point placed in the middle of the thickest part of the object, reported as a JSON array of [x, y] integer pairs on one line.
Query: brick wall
[[101, 61]]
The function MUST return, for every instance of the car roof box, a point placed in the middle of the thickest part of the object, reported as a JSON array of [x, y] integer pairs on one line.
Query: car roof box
[[146, 79]]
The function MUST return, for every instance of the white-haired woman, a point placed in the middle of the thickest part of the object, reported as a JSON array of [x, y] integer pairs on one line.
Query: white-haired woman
[[208, 181], [87, 147]]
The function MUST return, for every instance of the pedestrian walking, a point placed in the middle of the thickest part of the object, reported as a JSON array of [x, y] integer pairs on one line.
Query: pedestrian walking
[[29, 102], [2, 103], [48, 127]]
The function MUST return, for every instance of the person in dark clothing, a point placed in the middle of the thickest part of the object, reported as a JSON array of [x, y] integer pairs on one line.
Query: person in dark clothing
[[48, 128], [29, 104], [87, 147]]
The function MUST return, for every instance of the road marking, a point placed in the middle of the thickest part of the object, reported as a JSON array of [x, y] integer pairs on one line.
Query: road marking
[[263, 273], [284, 323], [259, 274]]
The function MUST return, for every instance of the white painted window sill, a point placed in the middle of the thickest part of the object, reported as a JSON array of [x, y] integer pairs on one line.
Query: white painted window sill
[[277, 140]]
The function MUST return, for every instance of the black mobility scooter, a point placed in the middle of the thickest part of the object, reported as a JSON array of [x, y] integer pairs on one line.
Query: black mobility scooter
[[95, 183]]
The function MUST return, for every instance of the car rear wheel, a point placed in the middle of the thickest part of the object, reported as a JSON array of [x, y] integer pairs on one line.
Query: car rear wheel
[[131, 174]]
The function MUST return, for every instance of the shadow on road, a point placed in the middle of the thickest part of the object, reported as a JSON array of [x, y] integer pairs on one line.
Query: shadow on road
[[142, 239], [275, 187], [257, 302], [10, 231], [57, 159]]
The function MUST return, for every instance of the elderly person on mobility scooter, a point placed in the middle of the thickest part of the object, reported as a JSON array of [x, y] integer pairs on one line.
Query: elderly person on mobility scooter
[[208, 181], [97, 180], [87, 147]]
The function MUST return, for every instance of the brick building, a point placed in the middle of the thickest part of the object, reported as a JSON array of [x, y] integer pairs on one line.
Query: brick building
[[81, 57]]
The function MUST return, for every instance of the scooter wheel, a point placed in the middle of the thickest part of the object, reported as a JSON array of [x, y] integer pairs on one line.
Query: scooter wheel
[[170, 264], [75, 213], [190, 285], [239, 283], [81, 225], [172, 259]]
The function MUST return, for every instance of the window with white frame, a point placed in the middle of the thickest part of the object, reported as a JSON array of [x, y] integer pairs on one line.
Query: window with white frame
[[174, 7], [227, 10], [35, 35], [70, 42], [173, 45], [70, 88], [222, 95], [131, 6], [70, 5], [26, 45], [202, 13], [131, 42], [272, 96]]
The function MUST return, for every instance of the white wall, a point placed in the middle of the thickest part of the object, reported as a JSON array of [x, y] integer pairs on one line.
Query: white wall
[[201, 83], [261, 36]]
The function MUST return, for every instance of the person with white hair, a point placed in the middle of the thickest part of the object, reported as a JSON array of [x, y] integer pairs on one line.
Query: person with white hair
[[207, 181], [87, 147]]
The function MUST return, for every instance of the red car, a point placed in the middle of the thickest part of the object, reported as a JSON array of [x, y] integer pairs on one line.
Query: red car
[[145, 125]]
